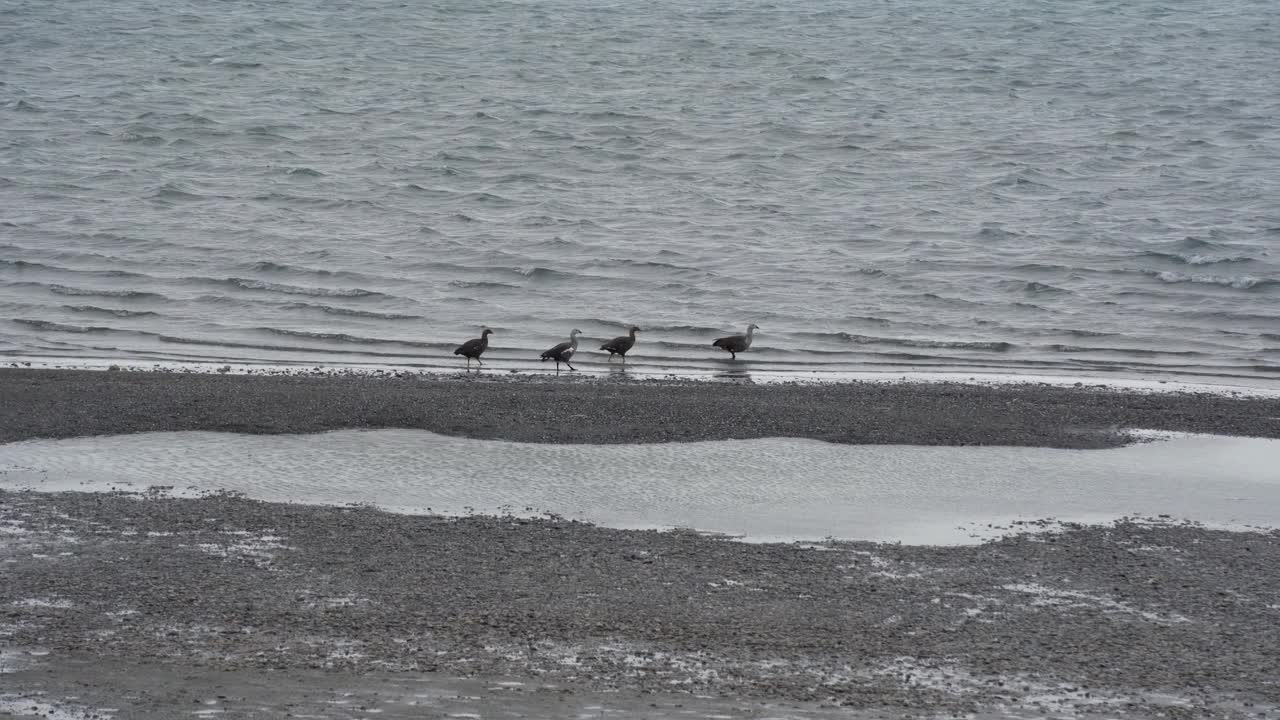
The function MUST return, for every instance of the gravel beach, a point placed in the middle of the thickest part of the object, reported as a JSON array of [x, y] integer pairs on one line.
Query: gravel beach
[[133, 606], [68, 403]]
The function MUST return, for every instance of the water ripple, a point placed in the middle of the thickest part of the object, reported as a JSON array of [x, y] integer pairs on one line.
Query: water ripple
[[977, 188]]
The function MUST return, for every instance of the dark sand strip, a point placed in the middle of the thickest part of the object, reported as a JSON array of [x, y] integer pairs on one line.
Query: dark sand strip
[[66, 403]]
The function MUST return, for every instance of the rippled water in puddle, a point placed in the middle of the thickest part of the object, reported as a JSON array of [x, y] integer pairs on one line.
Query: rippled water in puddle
[[767, 489]]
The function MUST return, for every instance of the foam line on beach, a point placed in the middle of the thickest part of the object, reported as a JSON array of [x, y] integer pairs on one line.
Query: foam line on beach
[[499, 370]]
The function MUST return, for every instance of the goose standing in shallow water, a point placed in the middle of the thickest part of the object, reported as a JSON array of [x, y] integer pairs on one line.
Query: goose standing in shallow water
[[621, 344], [563, 352], [735, 344], [474, 347]]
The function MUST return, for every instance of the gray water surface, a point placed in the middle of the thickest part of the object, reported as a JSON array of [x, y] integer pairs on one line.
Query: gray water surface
[[767, 489], [999, 185]]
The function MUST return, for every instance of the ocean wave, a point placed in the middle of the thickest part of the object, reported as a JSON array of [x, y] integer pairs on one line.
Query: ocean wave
[[989, 345], [129, 136], [1021, 184], [1039, 288], [883, 322], [195, 119], [81, 329], [249, 284], [115, 312], [267, 266], [60, 327], [484, 197], [948, 300], [1195, 258], [65, 290], [1081, 333], [235, 64], [695, 329], [1123, 351], [275, 348], [29, 265], [1242, 282], [270, 129], [551, 220], [997, 233], [544, 273], [482, 284], [651, 265], [1190, 242], [342, 337], [26, 265], [171, 191], [349, 312]]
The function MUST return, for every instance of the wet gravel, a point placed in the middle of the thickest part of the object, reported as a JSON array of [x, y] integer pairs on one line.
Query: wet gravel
[[66, 403], [1138, 618], [144, 603]]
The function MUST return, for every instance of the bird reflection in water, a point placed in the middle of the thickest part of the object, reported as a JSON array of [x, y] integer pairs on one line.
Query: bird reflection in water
[[737, 375]]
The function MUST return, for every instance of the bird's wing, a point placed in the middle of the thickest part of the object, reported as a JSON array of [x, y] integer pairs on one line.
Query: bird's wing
[[553, 352]]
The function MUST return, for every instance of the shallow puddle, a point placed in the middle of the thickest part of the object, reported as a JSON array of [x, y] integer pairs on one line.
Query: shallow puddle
[[771, 489]]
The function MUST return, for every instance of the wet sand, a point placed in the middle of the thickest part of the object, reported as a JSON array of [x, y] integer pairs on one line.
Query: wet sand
[[161, 607], [68, 403], [306, 601]]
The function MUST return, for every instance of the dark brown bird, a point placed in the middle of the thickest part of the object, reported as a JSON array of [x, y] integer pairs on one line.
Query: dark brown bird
[[563, 352], [621, 344], [474, 347], [735, 344]]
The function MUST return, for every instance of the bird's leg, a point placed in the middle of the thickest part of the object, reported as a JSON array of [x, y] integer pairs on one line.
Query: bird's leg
[[571, 367], [733, 355]]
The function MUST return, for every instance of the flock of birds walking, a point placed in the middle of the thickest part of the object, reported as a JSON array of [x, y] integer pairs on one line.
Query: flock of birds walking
[[564, 352]]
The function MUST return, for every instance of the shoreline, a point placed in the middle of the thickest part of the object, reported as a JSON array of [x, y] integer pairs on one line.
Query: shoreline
[[744, 372], [36, 403]]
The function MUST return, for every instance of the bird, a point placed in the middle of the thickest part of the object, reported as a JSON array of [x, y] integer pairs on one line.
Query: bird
[[563, 352], [474, 347], [735, 344], [621, 344]]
